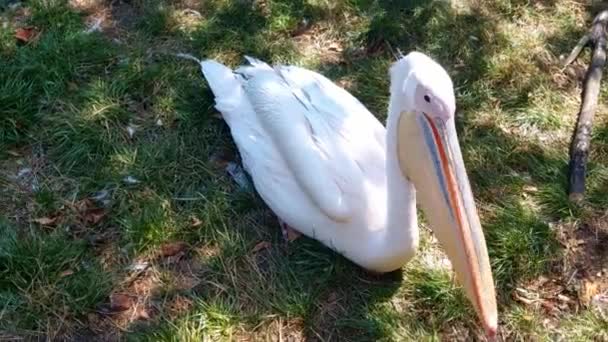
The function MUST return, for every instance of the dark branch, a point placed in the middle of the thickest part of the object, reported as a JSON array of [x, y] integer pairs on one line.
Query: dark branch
[[579, 150]]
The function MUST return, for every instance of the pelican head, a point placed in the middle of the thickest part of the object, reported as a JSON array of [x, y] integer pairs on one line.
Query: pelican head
[[423, 103]]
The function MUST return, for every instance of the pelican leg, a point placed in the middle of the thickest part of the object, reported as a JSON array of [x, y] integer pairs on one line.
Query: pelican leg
[[289, 234]]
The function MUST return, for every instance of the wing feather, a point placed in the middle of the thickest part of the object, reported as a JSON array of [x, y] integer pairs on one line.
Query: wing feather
[[328, 140]]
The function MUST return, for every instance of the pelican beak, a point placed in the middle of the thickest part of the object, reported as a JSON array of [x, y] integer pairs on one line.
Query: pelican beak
[[435, 166]]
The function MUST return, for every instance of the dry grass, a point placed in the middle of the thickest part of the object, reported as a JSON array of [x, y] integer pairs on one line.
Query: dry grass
[[149, 238]]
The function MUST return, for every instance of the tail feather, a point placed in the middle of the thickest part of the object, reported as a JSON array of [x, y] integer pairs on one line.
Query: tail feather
[[257, 63], [224, 85]]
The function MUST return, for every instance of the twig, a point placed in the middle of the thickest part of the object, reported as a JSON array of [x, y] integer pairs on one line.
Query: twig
[[579, 150], [577, 49]]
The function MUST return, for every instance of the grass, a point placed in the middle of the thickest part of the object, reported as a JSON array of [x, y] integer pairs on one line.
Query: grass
[[115, 203]]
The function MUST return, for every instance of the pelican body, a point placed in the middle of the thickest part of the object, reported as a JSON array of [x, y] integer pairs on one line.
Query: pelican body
[[328, 168]]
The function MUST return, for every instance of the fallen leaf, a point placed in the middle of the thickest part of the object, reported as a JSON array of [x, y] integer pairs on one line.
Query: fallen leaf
[[93, 216], [82, 205], [173, 248], [335, 47], [141, 313], [121, 302], [46, 221], [220, 159], [25, 34], [13, 153], [292, 234], [196, 222], [302, 27], [588, 291], [260, 246], [549, 306], [66, 273]]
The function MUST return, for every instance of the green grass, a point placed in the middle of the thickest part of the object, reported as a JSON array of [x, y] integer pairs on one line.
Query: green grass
[[67, 98]]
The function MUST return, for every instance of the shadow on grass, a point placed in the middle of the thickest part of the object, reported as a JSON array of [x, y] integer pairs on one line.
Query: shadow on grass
[[308, 286]]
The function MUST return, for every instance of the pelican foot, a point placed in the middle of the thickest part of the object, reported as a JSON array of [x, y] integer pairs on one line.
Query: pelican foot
[[289, 234]]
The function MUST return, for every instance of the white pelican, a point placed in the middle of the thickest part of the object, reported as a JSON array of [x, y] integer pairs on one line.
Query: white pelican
[[329, 169]]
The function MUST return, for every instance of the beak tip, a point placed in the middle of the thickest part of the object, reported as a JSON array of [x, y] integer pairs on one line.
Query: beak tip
[[491, 328]]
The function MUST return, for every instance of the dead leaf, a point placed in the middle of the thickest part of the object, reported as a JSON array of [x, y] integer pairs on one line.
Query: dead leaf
[[82, 205], [46, 221], [588, 291], [335, 47], [196, 222], [303, 26], [173, 248], [13, 153], [26, 34], [292, 234], [93, 216], [121, 302], [221, 158], [141, 313], [66, 273], [260, 246], [551, 309]]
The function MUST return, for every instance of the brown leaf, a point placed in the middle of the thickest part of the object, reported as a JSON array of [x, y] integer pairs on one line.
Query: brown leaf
[[172, 248], [83, 205], [46, 221], [141, 313], [293, 234], [551, 309], [66, 273], [196, 222], [589, 289], [335, 47], [93, 216], [121, 302], [25, 34], [260, 246]]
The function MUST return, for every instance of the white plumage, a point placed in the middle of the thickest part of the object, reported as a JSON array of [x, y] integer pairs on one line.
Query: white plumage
[[316, 156], [329, 169]]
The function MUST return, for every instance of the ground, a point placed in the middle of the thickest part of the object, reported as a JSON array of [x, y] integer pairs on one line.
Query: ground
[[119, 219]]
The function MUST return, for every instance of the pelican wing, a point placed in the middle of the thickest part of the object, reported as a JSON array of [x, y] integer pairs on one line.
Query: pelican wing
[[328, 140]]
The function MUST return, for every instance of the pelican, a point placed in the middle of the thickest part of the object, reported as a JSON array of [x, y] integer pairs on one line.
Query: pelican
[[330, 170]]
